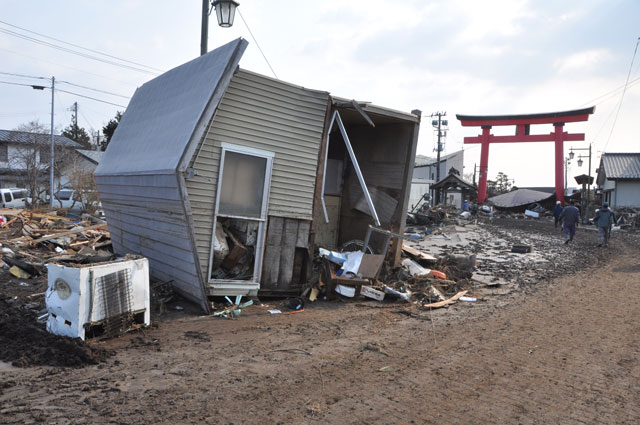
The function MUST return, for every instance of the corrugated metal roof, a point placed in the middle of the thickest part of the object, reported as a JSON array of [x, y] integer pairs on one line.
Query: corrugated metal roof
[[163, 114], [621, 165], [93, 156], [13, 136], [423, 161], [519, 197]]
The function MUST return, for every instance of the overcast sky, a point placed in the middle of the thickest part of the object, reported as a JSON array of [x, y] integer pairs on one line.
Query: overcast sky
[[459, 56]]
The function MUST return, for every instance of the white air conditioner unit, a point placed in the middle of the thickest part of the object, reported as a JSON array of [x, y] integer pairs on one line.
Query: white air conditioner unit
[[98, 300]]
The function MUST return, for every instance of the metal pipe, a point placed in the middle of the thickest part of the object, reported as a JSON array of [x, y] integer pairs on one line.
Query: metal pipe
[[354, 160]]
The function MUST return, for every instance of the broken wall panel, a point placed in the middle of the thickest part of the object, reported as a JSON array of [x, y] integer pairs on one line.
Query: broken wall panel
[[286, 251]]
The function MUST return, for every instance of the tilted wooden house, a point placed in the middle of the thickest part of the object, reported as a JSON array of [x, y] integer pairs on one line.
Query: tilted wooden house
[[216, 175]]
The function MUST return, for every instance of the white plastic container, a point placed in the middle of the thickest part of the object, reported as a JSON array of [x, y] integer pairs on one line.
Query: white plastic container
[[76, 299]]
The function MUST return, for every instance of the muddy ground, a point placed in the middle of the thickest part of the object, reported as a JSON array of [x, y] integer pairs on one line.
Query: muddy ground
[[560, 345]]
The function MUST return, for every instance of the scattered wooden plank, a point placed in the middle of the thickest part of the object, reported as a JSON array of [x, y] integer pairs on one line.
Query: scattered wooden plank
[[418, 254], [67, 233], [447, 301]]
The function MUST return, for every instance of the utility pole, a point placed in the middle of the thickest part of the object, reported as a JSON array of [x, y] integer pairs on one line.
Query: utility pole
[[53, 86], [438, 124], [75, 114]]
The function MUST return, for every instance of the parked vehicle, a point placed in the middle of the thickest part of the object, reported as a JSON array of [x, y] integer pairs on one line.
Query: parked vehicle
[[13, 198], [75, 201]]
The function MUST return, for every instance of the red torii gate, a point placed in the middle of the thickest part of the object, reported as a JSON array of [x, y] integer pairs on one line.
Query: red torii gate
[[523, 124]]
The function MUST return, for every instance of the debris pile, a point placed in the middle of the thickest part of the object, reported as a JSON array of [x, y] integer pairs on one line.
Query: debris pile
[[628, 218], [234, 249], [29, 239], [434, 216], [422, 281]]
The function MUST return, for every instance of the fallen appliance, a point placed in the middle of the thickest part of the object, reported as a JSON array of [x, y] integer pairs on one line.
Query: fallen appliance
[[98, 300]]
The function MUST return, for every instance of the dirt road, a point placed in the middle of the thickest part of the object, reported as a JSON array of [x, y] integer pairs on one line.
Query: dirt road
[[565, 351]]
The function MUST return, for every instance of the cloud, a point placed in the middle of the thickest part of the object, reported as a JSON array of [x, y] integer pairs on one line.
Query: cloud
[[587, 60]]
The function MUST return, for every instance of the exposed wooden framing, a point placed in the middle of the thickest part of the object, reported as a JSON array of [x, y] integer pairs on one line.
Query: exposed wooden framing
[[322, 158], [288, 251], [271, 267]]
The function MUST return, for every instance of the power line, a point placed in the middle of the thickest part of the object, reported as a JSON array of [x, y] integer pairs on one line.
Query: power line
[[24, 76], [611, 93], [74, 52], [16, 84], [256, 41], [80, 47], [89, 97], [69, 83], [70, 67], [96, 90], [635, 51]]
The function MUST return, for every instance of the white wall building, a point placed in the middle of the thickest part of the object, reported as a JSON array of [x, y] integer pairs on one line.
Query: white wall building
[[619, 179]]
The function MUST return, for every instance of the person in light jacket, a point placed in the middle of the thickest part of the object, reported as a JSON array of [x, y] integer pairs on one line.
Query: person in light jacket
[[604, 220], [571, 216]]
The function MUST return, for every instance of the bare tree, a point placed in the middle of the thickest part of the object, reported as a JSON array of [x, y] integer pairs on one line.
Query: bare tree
[[31, 157], [81, 180]]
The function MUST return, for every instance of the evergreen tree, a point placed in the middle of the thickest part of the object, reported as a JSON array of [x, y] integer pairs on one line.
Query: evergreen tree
[[78, 134], [109, 129]]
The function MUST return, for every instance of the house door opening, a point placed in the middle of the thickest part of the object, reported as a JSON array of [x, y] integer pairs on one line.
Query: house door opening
[[240, 216]]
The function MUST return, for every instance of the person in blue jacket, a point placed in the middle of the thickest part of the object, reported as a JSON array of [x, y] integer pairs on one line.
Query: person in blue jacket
[[604, 220], [556, 213], [571, 216]]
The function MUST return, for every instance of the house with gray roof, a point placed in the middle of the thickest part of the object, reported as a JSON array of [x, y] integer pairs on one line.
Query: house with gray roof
[[619, 179], [21, 150], [226, 179]]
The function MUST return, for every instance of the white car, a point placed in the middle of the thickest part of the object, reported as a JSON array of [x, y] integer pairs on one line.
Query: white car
[[74, 201], [13, 198]]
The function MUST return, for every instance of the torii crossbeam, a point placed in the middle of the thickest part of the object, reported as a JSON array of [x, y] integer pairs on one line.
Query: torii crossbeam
[[523, 124]]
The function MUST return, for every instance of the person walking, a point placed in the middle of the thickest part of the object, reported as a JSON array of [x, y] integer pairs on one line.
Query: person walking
[[571, 216], [604, 220], [556, 213]]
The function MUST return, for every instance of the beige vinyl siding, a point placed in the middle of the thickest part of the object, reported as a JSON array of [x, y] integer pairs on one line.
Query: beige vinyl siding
[[270, 115]]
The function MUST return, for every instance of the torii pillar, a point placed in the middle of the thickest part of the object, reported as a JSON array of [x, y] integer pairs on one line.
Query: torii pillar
[[523, 125]]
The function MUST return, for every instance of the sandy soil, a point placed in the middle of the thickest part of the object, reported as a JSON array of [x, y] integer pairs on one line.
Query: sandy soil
[[563, 349]]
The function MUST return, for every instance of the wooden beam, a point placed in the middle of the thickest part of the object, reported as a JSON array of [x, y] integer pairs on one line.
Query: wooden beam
[[358, 108]]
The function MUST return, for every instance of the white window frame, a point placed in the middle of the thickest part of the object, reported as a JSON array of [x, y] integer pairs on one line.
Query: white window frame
[[262, 220]]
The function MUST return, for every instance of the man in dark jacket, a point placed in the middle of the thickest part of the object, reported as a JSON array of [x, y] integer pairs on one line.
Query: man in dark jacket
[[556, 213], [604, 220], [571, 216]]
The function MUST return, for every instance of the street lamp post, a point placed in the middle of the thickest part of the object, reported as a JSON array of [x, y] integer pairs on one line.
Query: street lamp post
[[571, 155], [225, 13], [566, 166]]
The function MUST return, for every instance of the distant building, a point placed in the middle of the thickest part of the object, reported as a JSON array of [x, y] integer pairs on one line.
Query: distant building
[[425, 173], [21, 150], [619, 179]]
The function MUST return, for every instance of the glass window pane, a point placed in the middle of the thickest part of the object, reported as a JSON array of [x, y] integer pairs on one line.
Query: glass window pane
[[242, 186]]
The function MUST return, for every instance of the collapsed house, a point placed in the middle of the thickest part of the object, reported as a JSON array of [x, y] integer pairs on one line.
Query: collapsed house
[[225, 179]]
